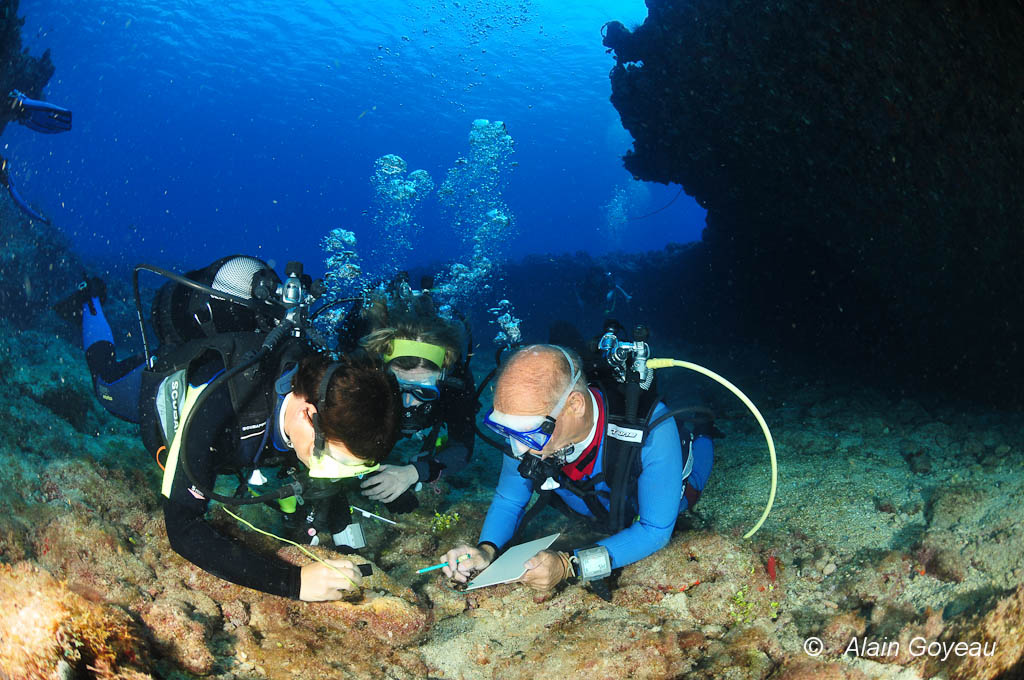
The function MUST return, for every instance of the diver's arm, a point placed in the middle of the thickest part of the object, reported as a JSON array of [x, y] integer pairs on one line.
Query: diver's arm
[[659, 488], [459, 412], [352, 328], [509, 503], [192, 536]]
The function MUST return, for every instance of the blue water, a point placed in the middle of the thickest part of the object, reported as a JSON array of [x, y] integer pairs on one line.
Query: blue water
[[202, 128]]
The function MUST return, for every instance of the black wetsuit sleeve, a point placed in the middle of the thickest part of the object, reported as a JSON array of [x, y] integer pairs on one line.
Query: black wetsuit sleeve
[[188, 531], [458, 411], [352, 329]]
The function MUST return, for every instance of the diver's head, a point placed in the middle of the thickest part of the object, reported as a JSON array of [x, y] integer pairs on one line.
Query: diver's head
[[418, 351], [540, 401], [341, 416]]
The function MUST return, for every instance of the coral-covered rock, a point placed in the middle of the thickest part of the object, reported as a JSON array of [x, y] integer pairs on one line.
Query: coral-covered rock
[[723, 581], [957, 505], [940, 553], [885, 581], [179, 634], [840, 629], [317, 639], [88, 552], [390, 619], [990, 643], [48, 631], [609, 647], [797, 668]]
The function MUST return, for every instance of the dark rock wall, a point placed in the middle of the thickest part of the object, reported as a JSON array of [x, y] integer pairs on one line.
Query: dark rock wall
[[861, 163]]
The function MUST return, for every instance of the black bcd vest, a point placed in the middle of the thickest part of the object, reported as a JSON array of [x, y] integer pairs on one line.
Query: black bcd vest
[[253, 398]]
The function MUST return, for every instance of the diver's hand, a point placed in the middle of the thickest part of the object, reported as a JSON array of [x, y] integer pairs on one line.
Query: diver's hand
[[545, 570], [478, 560], [320, 582], [389, 482]]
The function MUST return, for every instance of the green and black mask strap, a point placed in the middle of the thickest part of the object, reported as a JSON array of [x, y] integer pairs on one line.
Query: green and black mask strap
[[320, 439]]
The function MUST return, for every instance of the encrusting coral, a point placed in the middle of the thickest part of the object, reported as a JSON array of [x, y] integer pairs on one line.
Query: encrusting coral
[[49, 631]]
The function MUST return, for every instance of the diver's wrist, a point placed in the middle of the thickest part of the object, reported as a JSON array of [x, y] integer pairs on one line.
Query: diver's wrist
[[488, 549]]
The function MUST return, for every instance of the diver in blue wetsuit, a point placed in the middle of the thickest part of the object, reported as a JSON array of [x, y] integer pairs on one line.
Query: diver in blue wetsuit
[[41, 117], [116, 382], [569, 443], [36, 115]]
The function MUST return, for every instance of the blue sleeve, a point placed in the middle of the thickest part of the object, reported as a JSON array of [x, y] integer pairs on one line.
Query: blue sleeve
[[510, 501], [659, 489], [703, 452]]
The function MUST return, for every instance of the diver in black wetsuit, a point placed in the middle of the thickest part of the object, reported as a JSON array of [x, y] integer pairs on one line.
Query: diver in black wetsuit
[[423, 351], [319, 421]]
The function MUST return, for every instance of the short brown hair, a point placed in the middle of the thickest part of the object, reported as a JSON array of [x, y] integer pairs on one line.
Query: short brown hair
[[362, 405]]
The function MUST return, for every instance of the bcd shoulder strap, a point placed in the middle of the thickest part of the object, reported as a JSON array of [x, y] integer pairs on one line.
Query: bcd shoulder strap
[[165, 384], [625, 434]]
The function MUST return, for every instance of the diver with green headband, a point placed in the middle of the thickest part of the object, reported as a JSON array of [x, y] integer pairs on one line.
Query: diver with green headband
[[422, 347]]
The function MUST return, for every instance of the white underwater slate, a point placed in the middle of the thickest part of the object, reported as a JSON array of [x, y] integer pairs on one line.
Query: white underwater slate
[[509, 566]]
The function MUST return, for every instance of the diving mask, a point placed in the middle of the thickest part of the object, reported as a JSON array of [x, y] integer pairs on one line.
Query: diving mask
[[531, 432], [524, 433], [421, 391], [325, 466]]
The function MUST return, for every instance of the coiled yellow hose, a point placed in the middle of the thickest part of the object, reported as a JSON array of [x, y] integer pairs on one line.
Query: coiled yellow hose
[[655, 364]]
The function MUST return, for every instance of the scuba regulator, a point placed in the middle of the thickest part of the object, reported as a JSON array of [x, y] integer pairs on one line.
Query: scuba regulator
[[631, 362], [628, 360]]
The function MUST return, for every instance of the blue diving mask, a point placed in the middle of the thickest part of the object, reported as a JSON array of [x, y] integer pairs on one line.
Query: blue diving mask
[[421, 391], [531, 432]]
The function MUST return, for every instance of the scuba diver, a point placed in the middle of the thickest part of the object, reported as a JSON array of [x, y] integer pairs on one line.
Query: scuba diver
[[39, 116], [610, 452], [238, 386], [587, 291], [423, 351], [615, 291], [5, 178]]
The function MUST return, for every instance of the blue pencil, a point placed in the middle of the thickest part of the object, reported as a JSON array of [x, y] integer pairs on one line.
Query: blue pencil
[[442, 564]]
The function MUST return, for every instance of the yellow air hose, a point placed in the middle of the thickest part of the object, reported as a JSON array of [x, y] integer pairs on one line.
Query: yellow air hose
[[665, 363]]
